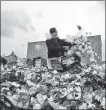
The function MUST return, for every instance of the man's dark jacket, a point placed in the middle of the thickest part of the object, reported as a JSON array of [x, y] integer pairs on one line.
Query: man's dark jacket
[[55, 47]]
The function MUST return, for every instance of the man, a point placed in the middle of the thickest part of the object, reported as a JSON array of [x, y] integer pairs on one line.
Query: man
[[55, 46]]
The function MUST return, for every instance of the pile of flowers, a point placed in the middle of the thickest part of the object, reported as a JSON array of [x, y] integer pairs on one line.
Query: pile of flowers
[[44, 89], [84, 49], [30, 89]]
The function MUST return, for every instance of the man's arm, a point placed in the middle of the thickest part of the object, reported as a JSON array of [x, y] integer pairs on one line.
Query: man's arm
[[54, 49], [64, 43]]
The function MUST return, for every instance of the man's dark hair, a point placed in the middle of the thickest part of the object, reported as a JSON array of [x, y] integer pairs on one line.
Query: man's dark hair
[[52, 30]]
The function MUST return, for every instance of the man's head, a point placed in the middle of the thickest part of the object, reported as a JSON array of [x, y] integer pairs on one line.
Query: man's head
[[53, 32]]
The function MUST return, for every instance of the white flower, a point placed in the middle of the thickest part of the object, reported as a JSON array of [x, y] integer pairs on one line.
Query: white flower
[[70, 96], [70, 88], [69, 52], [33, 100], [89, 98], [97, 97], [2, 68], [78, 76], [62, 107], [94, 72], [103, 103], [9, 94], [64, 91], [78, 88], [67, 76], [15, 97], [36, 106], [102, 74], [103, 66], [44, 97], [98, 57], [54, 105], [100, 67], [32, 90], [16, 74], [96, 54], [92, 59], [87, 70], [4, 88], [51, 98], [77, 95], [14, 67], [83, 51], [14, 102], [83, 106], [26, 106], [20, 104], [86, 47], [8, 105], [74, 47], [83, 43], [22, 91], [15, 84], [78, 53], [30, 83], [89, 48], [80, 47], [85, 38], [55, 72], [91, 105], [40, 100], [90, 52]]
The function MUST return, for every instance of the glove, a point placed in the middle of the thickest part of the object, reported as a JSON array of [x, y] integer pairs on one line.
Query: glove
[[74, 44]]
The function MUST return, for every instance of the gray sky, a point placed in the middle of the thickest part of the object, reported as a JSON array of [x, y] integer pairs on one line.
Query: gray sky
[[30, 21]]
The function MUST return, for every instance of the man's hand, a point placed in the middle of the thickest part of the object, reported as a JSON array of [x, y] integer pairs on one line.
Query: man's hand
[[66, 48]]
